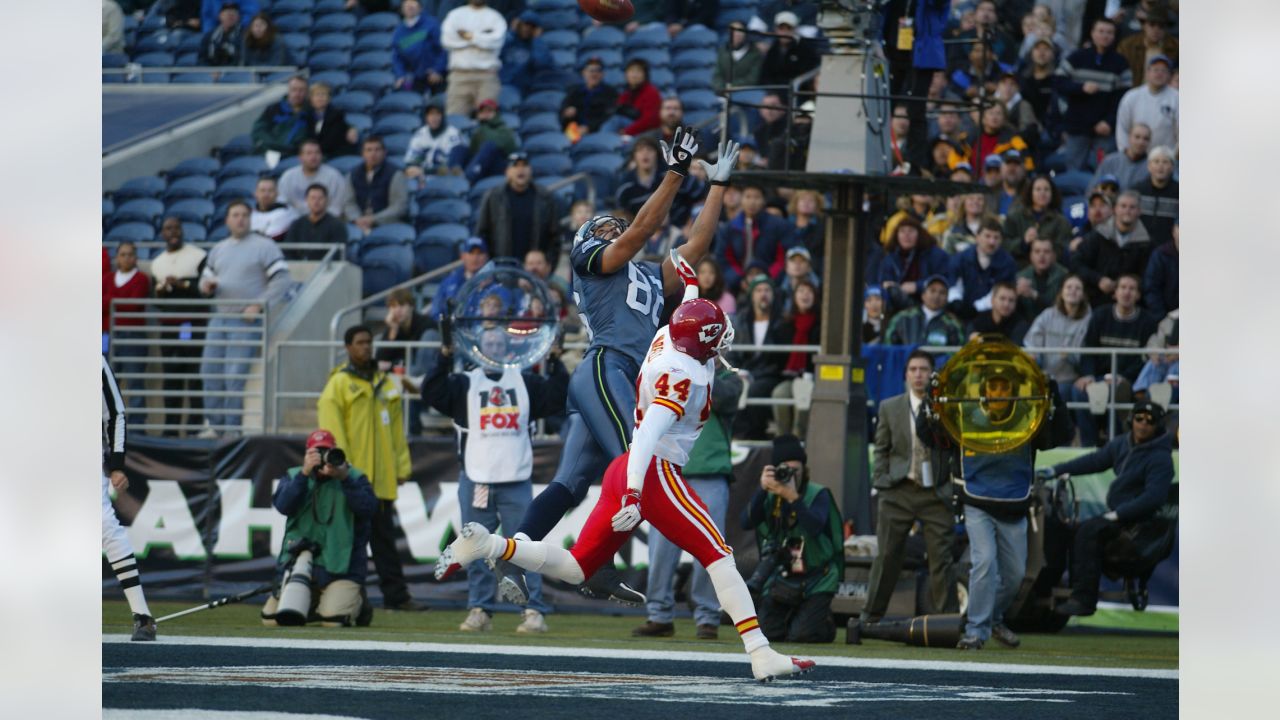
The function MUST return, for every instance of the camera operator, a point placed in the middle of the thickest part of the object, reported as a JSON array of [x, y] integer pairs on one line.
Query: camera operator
[[801, 540], [1143, 463], [330, 506]]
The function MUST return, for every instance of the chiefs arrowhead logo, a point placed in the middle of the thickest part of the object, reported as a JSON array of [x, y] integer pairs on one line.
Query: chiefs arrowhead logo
[[709, 332]]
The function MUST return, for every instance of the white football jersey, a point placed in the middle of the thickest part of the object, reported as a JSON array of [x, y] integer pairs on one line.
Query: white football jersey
[[676, 381]]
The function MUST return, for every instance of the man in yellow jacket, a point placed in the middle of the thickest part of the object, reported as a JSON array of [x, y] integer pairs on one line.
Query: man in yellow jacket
[[361, 406]]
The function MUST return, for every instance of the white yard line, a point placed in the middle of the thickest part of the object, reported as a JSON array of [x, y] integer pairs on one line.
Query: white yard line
[[676, 655]]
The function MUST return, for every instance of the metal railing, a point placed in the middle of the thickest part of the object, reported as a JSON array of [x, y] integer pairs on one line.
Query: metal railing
[[134, 73]]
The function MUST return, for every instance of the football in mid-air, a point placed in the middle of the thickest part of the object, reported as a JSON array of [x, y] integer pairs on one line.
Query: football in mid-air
[[608, 11]]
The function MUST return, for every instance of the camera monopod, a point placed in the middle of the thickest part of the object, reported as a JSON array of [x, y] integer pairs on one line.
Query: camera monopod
[[223, 601]]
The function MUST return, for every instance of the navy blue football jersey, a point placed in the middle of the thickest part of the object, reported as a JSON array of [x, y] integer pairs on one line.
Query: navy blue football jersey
[[620, 310]]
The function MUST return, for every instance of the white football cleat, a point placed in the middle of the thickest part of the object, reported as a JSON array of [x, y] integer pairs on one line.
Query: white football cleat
[[767, 664]]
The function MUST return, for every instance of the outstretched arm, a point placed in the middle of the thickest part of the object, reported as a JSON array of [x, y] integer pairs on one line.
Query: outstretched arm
[[684, 146], [704, 228]]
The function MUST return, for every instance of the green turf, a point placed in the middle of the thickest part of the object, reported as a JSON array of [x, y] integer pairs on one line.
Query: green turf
[[602, 631]]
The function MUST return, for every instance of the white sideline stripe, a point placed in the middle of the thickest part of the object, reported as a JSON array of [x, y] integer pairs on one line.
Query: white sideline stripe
[[677, 655]]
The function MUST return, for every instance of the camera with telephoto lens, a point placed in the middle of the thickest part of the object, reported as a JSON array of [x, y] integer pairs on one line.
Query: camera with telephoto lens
[[333, 457], [770, 559], [785, 474]]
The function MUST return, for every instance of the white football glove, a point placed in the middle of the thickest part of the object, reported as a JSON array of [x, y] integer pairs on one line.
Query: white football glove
[[726, 160], [626, 519], [679, 155]]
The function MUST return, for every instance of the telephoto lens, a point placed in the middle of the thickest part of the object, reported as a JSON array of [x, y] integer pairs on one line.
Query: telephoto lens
[[334, 457]]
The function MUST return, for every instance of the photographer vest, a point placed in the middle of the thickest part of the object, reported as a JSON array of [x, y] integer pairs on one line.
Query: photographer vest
[[497, 447]]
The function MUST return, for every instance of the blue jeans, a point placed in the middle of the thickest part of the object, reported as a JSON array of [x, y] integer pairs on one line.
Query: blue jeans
[[1080, 152], [664, 556], [507, 505], [132, 359], [998, 557], [223, 412]]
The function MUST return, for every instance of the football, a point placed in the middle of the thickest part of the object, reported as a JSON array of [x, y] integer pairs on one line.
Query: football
[[608, 11]]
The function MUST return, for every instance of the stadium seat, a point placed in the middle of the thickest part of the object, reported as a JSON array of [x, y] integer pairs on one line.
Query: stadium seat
[[610, 56], [561, 40], [141, 210], [604, 37], [187, 59], [550, 164], [328, 60], [445, 211], [344, 163], [541, 5], [286, 162], [552, 142], [749, 99], [194, 166], [353, 101], [385, 266], [371, 60], [155, 59], [661, 77], [695, 36], [192, 232], [463, 123], [652, 36], [219, 233], [700, 118], [114, 60], [337, 80], [231, 78], [235, 147], [343, 41], [543, 122], [597, 142], [334, 23], [1074, 182], [604, 169], [700, 79], [389, 234], [694, 59], [565, 194], [156, 78], [393, 123], [374, 81], [132, 231], [729, 15], [482, 187], [161, 41], [194, 78], [290, 7], [362, 122], [397, 144], [511, 120], [383, 22], [445, 186], [108, 207], [509, 97], [400, 102], [293, 23], [146, 186], [239, 187], [545, 101], [190, 186], [553, 80], [437, 246], [245, 165], [326, 7], [298, 44], [700, 100], [373, 41], [559, 19], [192, 210]]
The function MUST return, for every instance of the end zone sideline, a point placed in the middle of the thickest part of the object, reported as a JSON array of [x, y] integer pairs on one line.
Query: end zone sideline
[[672, 655]]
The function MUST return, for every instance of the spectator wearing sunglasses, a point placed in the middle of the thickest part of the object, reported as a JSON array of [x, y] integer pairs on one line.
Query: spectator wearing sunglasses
[[1143, 462]]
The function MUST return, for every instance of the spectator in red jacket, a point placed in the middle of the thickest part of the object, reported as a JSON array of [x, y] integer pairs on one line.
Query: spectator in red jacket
[[126, 281], [638, 104]]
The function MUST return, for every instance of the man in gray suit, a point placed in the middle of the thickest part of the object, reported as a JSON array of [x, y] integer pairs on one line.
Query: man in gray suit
[[913, 483]]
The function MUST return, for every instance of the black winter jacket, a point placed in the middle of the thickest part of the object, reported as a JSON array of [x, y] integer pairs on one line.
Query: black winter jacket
[[1143, 474]]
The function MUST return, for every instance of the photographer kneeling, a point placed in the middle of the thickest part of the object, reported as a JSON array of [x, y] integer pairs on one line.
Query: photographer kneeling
[[330, 506], [801, 540]]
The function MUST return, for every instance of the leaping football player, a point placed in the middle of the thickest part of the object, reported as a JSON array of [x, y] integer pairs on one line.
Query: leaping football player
[[621, 302]]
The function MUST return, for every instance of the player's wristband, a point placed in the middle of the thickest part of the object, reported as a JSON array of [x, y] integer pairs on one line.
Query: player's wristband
[[721, 183]]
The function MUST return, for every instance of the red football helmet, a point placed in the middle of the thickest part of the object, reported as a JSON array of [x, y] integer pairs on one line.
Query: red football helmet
[[700, 329]]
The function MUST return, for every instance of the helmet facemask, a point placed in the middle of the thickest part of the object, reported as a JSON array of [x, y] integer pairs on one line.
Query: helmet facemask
[[603, 227]]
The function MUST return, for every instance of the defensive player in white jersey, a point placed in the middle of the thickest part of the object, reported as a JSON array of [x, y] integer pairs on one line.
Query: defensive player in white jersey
[[673, 401]]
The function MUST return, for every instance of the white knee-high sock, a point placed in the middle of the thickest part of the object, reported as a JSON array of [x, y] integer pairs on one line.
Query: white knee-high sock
[[736, 600], [541, 557], [126, 570]]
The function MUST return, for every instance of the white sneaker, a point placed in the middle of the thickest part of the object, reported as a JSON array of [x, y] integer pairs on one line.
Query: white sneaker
[[472, 544], [767, 664], [533, 622], [477, 621]]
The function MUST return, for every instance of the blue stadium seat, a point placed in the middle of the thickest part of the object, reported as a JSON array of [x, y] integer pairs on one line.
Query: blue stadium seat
[[187, 59], [605, 37], [445, 211], [219, 233], [155, 59], [327, 7], [385, 266], [389, 234], [651, 36], [353, 101], [192, 232], [141, 210], [604, 169], [561, 40], [238, 187], [156, 78], [560, 19], [362, 122], [190, 43], [464, 124], [541, 5], [337, 80], [344, 163], [693, 59], [662, 78], [114, 60], [374, 81], [597, 142], [552, 142], [108, 207], [553, 80], [437, 246], [701, 79], [477, 192], [232, 78], [444, 187], [397, 144], [192, 210], [289, 7], [393, 123], [543, 122], [132, 231], [512, 120], [328, 60], [656, 57], [610, 56], [377, 22], [334, 22], [509, 97], [146, 186], [245, 165], [550, 164], [729, 15], [343, 41], [194, 166], [371, 60], [400, 102], [235, 147], [563, 57], [565, 195], [539, 102], [700, 100], [293, 23], [695, 36], [298, 44], [373, 41], [161, 41], [194, 78], [190, 186], [700, 118], [289, 161]]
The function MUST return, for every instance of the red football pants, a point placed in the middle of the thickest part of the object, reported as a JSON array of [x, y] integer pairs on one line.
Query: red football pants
[[666, 501]]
